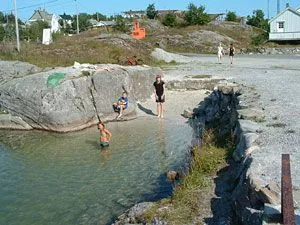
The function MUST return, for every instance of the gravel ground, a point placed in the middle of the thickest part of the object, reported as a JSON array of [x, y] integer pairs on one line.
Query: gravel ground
[[277, 80]]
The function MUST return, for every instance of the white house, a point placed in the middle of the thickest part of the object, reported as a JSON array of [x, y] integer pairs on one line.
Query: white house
[[286, 25], [42, 15]]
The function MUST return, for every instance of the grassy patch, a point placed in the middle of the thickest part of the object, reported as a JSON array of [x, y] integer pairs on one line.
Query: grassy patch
[[277, 125], [3, 111], [186, 202], [83, 48], [257, 119]]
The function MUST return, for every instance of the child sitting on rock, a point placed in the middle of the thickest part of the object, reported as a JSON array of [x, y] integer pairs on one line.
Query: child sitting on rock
[[121, 105]]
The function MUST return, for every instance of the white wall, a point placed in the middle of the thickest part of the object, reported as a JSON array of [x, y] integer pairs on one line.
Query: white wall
[[55, 26], [291, 22]]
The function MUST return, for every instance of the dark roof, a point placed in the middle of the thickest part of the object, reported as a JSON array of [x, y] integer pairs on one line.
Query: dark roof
[[41, 14], [66, 17]]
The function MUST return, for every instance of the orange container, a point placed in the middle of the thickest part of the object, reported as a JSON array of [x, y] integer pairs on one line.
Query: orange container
[[138, 33]]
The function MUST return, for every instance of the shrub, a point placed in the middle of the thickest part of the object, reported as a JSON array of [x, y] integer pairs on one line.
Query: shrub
[[258, 20], [121, 24], [196, 15], [231, 16], [2, 33], [259, 39], [151, 11], [170, 20], [35, 30]]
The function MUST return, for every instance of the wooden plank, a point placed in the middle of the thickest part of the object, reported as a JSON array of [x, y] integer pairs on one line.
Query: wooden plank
[[287, 203]]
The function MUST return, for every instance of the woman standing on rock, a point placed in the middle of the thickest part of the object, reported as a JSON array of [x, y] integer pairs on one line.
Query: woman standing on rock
[[159, 91], [231, 53]]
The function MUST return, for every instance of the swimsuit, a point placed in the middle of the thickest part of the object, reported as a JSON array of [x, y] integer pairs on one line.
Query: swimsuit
[[104, 144], [159, 89], [231, 51]]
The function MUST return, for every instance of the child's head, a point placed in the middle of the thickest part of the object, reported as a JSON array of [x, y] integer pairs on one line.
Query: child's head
[[124, 94], [231, 45], [101, 125]]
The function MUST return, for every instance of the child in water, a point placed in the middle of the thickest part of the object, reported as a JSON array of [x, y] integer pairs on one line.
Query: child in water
[[105, 135]]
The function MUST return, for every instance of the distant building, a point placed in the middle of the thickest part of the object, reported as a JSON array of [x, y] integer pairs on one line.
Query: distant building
[[217, 17], [66, 19], [286, 25], [102, 23], [134, 14], [43, 15]]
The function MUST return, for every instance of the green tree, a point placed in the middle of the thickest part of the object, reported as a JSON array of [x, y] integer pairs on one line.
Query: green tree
[[121, 24], [258, 20], [170, 20], [196, 15], [84, 22], [2, 18], [151, 11], [35, 31], [98, 16], [231, 16], [2, 33]]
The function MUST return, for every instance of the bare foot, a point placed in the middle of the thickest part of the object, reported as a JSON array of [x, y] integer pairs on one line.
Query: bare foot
[[119, 116]]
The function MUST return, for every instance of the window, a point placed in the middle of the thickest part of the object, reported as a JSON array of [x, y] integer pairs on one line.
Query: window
[[280, 25]]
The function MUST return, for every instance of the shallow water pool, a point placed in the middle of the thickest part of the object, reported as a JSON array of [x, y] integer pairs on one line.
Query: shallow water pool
[[48, 178]]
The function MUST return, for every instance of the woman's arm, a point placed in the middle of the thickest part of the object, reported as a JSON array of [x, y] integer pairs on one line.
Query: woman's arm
[[109, 134], [163, 90]]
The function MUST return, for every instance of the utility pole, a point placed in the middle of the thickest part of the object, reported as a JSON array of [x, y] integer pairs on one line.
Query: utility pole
[[268, 9], [278, 6], [77, 17], [17, 26]]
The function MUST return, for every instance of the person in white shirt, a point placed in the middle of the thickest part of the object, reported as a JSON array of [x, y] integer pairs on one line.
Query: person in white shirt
[[220, 52]]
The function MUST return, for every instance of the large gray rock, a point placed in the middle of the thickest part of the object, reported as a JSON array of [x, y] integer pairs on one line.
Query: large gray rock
[[15, 69], [77, 99]]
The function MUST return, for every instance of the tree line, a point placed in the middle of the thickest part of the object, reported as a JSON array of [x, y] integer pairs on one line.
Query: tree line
[[194, 15]]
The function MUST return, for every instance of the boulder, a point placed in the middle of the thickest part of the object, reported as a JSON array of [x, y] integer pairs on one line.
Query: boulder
[[65, 99]]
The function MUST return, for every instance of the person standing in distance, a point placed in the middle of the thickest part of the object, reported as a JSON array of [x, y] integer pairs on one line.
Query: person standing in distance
[[220, 52], [231, 53], [159, 91]]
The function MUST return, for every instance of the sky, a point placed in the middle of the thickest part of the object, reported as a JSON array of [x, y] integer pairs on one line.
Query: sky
[[114, 7]]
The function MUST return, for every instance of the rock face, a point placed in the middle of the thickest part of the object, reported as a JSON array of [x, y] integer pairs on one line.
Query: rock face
[[15, 69], [161, 54], [69, 99]]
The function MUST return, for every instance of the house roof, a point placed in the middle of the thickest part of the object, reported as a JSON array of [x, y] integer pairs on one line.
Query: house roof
[[40, 14], [287, 9]]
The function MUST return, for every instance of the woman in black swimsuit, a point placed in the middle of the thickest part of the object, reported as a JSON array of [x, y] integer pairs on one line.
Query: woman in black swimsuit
[[159, 91], [231, 53]]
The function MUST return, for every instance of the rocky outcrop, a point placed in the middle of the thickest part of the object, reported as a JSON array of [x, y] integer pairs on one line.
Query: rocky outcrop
[[168, 57], [271, 51], [15, 69], [69, 99]]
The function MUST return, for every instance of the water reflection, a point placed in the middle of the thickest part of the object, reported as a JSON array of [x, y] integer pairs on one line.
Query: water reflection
[[49, 178]]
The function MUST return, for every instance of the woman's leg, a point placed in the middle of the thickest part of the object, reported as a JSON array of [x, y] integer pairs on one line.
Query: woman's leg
[[158, 109], [121, 110], [161, 110]]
